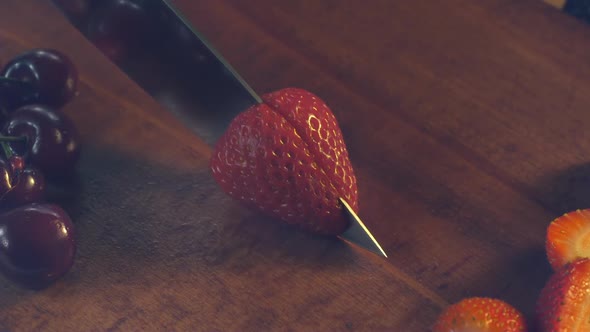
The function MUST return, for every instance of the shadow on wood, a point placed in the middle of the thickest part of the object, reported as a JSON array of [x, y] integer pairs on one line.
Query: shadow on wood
[[567, 190]]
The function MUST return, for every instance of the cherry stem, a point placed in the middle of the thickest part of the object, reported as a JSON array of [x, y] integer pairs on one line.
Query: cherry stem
[[4, 139], [6, 149]]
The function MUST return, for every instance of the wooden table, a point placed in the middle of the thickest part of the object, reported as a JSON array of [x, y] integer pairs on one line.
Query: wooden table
[[465, 121]]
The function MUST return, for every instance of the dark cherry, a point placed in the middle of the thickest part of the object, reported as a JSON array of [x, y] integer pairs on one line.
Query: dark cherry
[[52, 142], [74, 9], [37, 244], [20, 184], [51, 73], [14, 93], [120, 27], [17, 163]]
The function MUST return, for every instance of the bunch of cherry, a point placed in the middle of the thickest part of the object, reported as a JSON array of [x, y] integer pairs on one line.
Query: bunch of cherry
[[39, 145]]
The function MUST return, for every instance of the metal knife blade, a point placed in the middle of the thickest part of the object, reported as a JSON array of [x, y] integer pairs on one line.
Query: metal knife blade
[[181, 20], [358, 234], [212, 67]]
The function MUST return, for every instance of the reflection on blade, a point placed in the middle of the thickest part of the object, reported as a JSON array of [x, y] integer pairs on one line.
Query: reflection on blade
[[358, 234], [168, 58], [218, 56]]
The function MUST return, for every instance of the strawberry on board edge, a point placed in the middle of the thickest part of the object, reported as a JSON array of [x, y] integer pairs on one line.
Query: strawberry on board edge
[[286, 157], [568, 238], [480, 314], [564, 302]]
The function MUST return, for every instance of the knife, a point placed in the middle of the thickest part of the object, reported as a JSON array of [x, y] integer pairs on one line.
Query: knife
[[102, 21]]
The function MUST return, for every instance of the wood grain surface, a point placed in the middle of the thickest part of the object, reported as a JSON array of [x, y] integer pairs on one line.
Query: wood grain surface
[[464, 121]]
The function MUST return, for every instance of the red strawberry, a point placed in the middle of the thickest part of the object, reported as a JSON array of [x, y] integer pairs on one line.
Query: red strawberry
[[480, 314], [564, 302], [568, 238], [286, 157]]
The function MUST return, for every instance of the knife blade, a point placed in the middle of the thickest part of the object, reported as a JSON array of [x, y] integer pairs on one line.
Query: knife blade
[[201, 55]]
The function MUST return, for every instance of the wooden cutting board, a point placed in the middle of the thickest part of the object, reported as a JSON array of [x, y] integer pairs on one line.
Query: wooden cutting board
[[463, 120], [161, 248], [465, 124]]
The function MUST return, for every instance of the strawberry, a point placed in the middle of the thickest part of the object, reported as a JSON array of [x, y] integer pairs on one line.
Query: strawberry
[[564, 302], [286, 157], [568, 238], [480, 314]]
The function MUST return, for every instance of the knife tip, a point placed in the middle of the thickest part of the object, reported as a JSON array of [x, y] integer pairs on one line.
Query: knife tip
[[359, 234]]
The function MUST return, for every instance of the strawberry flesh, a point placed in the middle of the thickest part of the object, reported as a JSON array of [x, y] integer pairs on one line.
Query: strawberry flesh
[[568, 238]]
